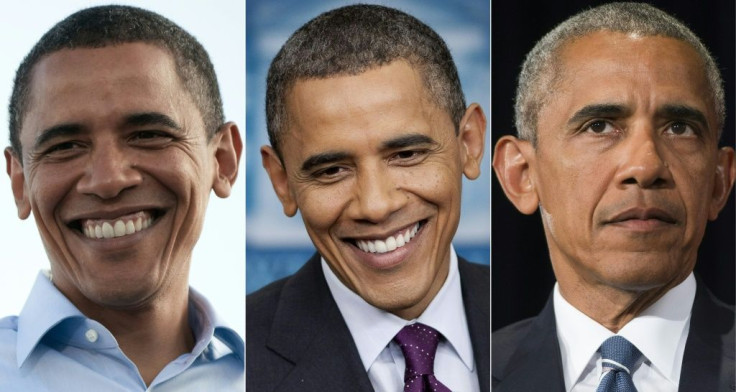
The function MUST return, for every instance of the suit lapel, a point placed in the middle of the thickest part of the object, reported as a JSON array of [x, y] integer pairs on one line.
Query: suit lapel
[[536, 365], [708, 361], [308, 331], [475, 286]]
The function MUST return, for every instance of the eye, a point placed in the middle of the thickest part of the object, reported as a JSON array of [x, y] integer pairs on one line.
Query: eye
[[150, 138], [409, 156], [680, 129], [330, 174], [600, 127], [63, 150]]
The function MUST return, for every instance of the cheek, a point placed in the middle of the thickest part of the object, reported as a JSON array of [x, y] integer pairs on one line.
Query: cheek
[[321, 207], [48, 186]]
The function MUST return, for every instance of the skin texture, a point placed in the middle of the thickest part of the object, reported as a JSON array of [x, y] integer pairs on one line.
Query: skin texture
[[627, 185], [371, 186], [84, 158]]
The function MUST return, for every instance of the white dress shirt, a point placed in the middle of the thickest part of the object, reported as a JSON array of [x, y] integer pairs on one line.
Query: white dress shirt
[[659, 332], [373, 331]]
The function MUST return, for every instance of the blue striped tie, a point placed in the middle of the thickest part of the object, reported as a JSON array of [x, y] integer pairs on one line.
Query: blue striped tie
[[619, 358]]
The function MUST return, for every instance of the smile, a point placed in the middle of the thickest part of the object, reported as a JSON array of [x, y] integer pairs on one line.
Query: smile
[[118, 227], [389, 244]]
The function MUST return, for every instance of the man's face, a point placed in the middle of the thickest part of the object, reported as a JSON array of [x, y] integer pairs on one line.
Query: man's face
[[627, 168], [117, 171], [375, 169]]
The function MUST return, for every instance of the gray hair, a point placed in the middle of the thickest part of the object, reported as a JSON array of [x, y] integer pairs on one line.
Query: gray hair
[[540, 70], [351, 40]]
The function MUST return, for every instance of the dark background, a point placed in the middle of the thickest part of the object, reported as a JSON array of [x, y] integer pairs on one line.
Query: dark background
[[522, 277]]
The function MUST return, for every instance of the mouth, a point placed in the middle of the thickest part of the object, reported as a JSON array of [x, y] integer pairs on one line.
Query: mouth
[[121, 226], [390, 243], [643, 215]]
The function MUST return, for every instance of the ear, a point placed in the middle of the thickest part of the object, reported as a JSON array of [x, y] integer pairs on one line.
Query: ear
[[472, 136], [279, 179], [228, 147], [14, 168], [512, 160], [725, 174]]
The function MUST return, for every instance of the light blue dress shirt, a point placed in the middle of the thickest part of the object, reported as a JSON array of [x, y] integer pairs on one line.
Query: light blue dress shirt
[[52, 346]]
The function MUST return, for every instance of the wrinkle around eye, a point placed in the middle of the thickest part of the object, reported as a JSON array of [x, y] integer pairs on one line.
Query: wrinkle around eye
[[59, 152], [151, 138], [329, 174], [409, 157]]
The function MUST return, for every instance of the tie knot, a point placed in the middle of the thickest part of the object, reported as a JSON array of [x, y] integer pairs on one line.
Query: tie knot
[[418, 342], [619, 354]]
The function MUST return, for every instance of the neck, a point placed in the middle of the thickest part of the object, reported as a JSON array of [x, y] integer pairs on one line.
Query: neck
[[151, 335], [611, 306]]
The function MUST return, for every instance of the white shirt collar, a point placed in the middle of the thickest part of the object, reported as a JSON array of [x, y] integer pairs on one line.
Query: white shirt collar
[[657, 332], [373, 329]]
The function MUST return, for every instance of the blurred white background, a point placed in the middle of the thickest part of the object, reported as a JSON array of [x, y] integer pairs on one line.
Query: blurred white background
[[218, 260]]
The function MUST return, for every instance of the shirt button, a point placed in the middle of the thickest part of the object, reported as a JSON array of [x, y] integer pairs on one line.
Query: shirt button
[[91, 335]]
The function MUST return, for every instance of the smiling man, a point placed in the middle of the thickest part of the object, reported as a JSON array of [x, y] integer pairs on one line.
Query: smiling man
[[370, 138], [117, 140], [619, 111]]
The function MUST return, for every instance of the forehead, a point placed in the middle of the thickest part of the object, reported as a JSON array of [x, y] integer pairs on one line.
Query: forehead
[[83, 84], [612, 67], [381, 100]]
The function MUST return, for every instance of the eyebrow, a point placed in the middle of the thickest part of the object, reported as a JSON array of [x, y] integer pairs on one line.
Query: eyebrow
[[683, 112], [407, 141], [323, 159], [60, 130], [391, 144], [150, 118], [598, 110], [133, 120]]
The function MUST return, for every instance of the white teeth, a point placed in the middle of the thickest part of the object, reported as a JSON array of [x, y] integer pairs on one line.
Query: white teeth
[[117, 228], [107, 230], [400, 241], [389, 244]]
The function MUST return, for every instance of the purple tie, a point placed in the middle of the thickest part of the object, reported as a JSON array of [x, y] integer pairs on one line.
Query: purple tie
[[418, 342]]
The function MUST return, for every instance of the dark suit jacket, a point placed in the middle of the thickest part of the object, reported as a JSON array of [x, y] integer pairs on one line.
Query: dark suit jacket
[[297, 340], [520, 349]]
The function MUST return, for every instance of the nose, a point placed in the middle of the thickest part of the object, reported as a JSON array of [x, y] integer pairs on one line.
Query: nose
[[108, 172], [642, 163], [376, 196]]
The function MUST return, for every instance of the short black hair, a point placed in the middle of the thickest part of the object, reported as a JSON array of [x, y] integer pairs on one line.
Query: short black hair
[[110, 25], [351, 40]]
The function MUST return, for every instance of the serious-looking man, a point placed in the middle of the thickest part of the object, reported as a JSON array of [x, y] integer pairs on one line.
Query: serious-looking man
[[619, 111], [117, 139], [370, 138]]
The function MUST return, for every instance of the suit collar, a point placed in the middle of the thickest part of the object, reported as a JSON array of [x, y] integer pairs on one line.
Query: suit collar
[[708, 363], [299, 335], [538, 354], [475, 279]]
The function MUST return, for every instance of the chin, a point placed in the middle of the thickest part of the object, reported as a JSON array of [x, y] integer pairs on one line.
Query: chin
[[640, 272]]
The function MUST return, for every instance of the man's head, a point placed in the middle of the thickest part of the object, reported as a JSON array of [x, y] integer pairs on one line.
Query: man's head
[[115, 155], [370, 142], [619, 148], [114, 25]]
